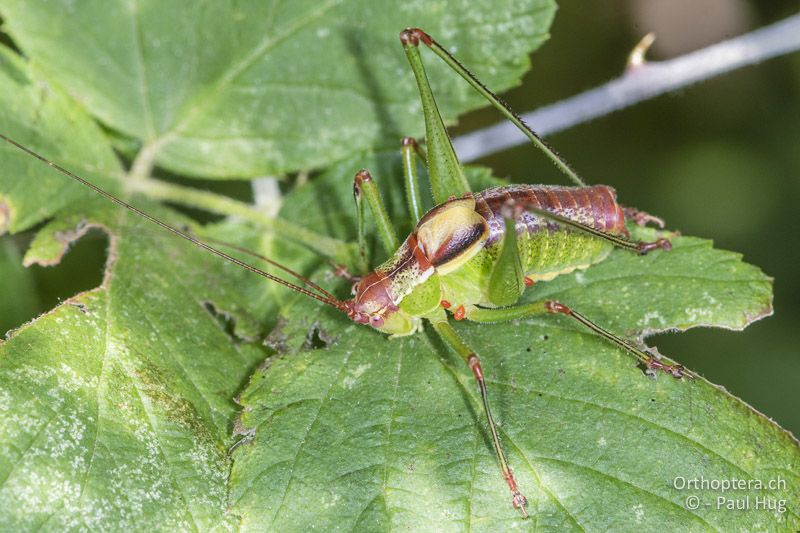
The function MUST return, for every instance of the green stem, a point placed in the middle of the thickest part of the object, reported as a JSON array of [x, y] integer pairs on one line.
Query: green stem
[[142, 165], [329, 247]]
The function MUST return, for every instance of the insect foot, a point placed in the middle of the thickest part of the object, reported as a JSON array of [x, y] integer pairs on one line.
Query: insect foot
[[512, 210], [519, 501], [359, 179], [677, 370], [645, 247], [341, 271], [412, 142]]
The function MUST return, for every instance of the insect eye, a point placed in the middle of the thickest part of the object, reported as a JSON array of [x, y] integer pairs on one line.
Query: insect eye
[[377, 321]]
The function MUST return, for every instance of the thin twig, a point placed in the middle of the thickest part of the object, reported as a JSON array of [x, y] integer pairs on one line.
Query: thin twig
[[267, 195], [143, 163], [645, 81]]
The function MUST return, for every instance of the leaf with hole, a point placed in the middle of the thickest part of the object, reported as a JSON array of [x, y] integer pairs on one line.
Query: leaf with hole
[[121, 405]]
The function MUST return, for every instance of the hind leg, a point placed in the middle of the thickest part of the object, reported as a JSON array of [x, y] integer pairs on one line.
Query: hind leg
[[650, 362]]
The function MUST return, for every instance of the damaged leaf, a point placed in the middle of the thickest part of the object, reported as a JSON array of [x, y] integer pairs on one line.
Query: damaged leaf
[[146, 403]]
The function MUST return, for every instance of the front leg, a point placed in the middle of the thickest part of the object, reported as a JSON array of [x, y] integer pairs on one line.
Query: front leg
[[364, 187], [650, 362], [451, 338]]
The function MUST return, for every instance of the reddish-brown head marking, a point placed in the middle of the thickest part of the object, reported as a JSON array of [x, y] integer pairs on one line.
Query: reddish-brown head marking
[[372, 299]]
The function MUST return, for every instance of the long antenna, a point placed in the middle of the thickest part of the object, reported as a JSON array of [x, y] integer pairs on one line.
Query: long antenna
[[328, 299], [272, 262]]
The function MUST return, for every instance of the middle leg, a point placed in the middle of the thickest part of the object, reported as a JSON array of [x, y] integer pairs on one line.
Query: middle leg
[[451, 338], [364, 186]]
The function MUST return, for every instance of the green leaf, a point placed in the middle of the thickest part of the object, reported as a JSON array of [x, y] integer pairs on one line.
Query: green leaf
[[371, 433], [118, 405], [222, 89], [44, 119]]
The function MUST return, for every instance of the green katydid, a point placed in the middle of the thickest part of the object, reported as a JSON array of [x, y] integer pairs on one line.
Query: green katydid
[[471, 255]]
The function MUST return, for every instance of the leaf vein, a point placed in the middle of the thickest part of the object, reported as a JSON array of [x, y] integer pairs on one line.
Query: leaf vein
[[303, 441], [238, 68]]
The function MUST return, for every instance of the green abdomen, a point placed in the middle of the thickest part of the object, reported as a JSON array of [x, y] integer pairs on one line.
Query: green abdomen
[[546, 249], [546, 254]]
